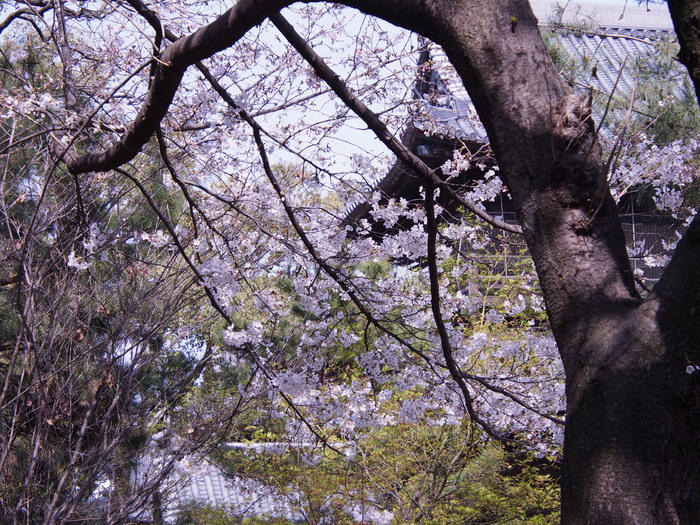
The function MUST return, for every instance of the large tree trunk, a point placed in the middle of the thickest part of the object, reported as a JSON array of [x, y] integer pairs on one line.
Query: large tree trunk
[[632, 446], [632, 443]]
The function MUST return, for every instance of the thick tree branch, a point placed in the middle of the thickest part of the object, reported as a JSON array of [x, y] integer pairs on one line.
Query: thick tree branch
[[676, 297], [21, 13], [9, 280], [175, 59], [686, 20], [678, 290], [61, 38]]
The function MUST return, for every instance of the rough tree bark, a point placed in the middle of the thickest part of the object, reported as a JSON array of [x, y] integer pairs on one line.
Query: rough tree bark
[[632, 446]]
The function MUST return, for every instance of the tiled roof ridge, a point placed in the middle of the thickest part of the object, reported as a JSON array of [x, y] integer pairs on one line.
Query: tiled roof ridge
[[616, 30]]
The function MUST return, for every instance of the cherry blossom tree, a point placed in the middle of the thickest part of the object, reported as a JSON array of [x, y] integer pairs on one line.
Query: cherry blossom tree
[[248, 88], [95, 352]]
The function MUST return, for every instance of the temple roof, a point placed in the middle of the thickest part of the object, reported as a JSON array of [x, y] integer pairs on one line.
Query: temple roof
[[598, 48]]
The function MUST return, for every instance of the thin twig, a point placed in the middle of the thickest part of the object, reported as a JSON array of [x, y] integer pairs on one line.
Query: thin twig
[[435, 302]]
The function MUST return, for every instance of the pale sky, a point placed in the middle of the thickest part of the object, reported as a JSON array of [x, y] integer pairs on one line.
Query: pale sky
[[630, 3], [609, 11], [616, 2]]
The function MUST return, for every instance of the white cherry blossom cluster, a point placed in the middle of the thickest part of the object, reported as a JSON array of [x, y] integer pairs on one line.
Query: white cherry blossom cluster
[[668, 170]]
